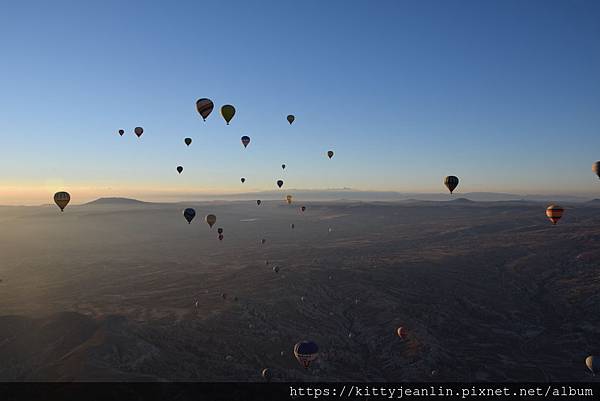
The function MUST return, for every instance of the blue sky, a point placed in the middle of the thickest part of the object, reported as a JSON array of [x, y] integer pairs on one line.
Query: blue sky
[[504, 94]]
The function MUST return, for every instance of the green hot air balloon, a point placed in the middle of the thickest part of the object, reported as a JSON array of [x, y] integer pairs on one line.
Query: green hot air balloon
[[451, 182], [228, 111], [204, 107]]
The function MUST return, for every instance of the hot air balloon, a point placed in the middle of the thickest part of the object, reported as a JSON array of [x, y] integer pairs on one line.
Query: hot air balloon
[[554, 213], [220, 230], [227, 111], [289, 199], [189, 214], [593, 364], [179, 169], [211, 219], [258, 202], [596, 168], [62, 199], [224, 296], [262, 241], [330, 154], [283, 166], [306, 352], [243, 180], [401, 332], [121, 132], [188, 141], [303, 208], [245, 140], [276, 269], [290, 119], [204, 107], [138, 131], [292, 225], [451, 182], [220, 237], [279, 183], [266, 374]]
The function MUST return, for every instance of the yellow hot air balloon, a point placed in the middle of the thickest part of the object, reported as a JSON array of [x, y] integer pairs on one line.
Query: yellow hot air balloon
[[227, 111], [289, 199], [62, 199], [211, 219]]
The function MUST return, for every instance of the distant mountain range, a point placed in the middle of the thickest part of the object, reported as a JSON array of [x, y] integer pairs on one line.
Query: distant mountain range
[[115, 201], [347, 194]]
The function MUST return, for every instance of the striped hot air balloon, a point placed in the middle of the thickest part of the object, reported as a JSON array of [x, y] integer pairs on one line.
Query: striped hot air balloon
[[204, 107], [554, 213]]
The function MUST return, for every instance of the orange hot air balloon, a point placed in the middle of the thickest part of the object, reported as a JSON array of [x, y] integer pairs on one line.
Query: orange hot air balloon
[[554, 213], [289, 199]]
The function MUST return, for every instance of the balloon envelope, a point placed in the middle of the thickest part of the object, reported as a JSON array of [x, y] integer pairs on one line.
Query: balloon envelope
[[303, 208], [258, 202], [279, 183], [188, 141], [243, 180], [290, 118], [62, 199], [227, 111], [596, 168], [211, 219], [204, 107], [554, 213], [179, 169], [189, 214], [220, 230], [138, 131], [330, 154], [276, 269], [266, 374], [289, 199], [306, 352], [245, 140], [593, 364], [451, 182], [401, 332], [121, 132], [221, 237], [283, 166]]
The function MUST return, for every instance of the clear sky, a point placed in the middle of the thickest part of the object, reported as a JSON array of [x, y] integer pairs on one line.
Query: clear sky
[[504, 94]]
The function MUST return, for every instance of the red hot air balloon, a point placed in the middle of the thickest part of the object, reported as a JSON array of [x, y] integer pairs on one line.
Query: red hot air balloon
[[554, 213]]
